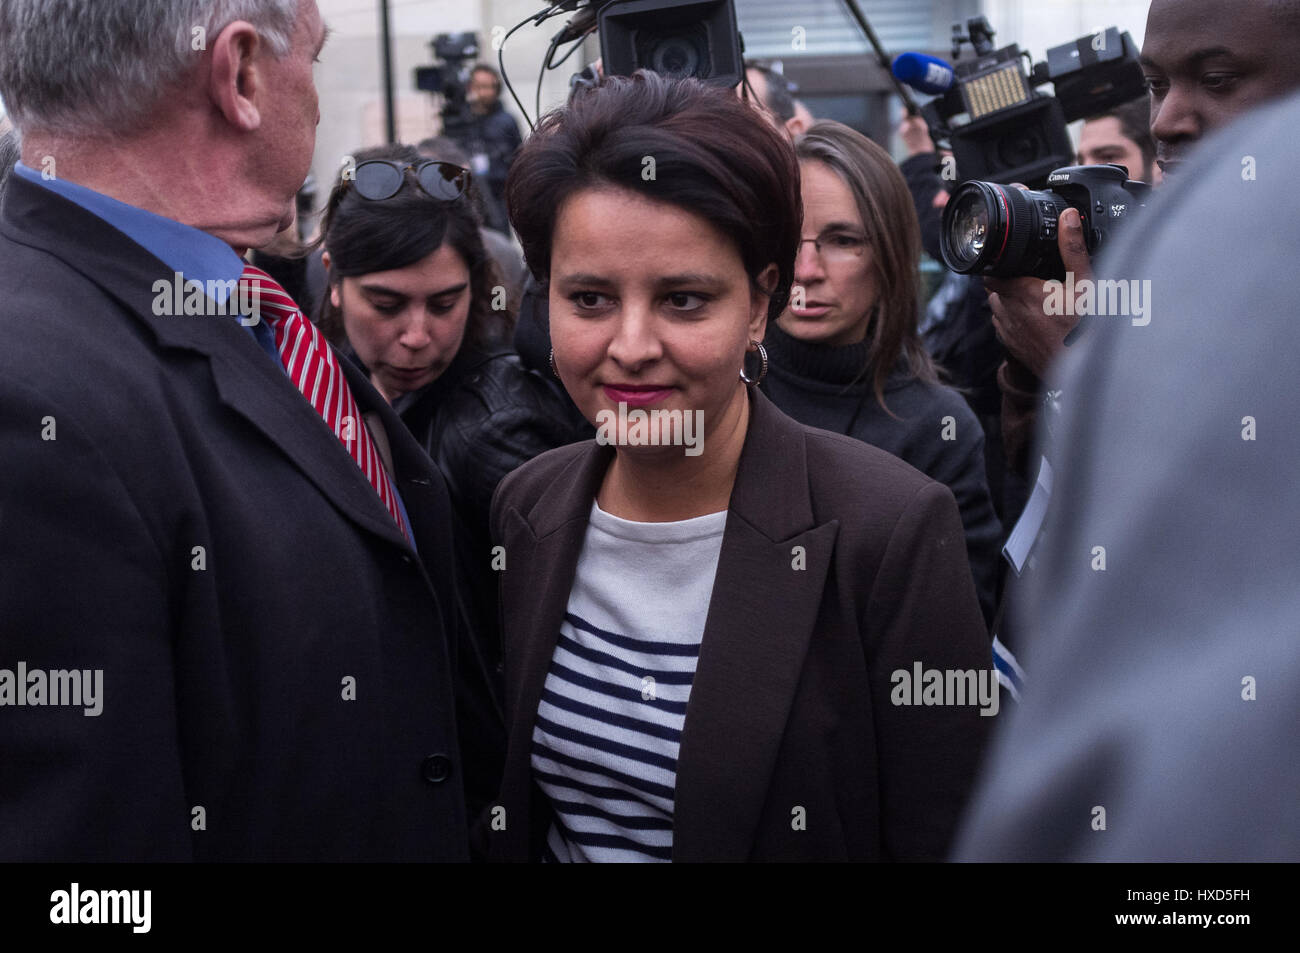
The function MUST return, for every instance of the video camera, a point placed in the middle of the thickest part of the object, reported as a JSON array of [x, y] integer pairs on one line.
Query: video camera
[[1001, 127], [675, 38], [450, 77]]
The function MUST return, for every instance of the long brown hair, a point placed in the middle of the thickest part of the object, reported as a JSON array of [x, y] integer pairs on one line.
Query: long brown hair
[[889, 220]]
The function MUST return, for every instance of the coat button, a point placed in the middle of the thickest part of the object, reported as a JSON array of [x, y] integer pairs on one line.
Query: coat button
[[436, 768]]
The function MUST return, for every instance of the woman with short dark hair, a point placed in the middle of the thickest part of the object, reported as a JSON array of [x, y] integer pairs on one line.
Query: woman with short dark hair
[[705, 609]]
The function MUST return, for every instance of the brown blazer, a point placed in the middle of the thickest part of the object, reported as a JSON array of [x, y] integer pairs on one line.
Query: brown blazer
[[790, 707]]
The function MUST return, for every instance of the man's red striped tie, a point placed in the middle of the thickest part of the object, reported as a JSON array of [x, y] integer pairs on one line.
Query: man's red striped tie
[[315, 371]]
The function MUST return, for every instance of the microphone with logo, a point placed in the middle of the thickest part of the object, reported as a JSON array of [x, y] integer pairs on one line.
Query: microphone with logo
[[925, 74], [934, 77]]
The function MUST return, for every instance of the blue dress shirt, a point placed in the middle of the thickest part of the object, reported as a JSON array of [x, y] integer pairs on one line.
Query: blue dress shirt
[[195, 254]]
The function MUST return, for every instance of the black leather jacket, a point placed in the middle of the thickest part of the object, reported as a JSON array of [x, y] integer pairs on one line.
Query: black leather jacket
[[483, 417]]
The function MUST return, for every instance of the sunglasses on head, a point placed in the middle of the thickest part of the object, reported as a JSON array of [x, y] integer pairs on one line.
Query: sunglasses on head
[[379, 179]]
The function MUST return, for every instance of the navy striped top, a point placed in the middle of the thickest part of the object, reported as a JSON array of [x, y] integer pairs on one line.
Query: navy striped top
[[608, 728]]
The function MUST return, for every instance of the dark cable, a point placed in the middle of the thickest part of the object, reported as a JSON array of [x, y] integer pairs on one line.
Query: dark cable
[[537, 18], [746, 90], [908, 102], [541, 73], [548, 65], [577, 44]]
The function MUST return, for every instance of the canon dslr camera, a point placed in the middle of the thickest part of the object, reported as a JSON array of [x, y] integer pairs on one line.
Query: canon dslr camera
[[1000, 230]]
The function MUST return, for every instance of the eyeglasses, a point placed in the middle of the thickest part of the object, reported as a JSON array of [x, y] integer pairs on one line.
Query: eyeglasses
[[834, 247], [379, 179]]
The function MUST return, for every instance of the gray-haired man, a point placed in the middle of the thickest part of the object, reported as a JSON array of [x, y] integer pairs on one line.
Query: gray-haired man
[[205, 518], [8, 151]]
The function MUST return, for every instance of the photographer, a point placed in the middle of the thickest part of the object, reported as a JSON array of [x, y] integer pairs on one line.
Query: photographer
[[1141, 738], [1206, 62], [956, 328], [774, 92], [921, 171], [492, 139], [1120, 136]]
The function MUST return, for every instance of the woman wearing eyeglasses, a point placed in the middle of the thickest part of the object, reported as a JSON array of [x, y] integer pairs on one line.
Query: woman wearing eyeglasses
[[411, 296], [705, 632], [845, 354]]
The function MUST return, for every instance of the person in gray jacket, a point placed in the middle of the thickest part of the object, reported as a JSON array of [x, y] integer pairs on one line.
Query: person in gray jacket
[[1162, 722]]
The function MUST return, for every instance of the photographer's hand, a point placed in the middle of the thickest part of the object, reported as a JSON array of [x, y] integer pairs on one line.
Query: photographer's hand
[[915, 133], [1020, 316]]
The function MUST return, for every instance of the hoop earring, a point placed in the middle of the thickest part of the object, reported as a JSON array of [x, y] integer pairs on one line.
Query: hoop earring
[[762, 354], [551, 360]]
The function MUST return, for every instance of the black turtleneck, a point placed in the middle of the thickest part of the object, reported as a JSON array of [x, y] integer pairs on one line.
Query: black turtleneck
[[931, 428]]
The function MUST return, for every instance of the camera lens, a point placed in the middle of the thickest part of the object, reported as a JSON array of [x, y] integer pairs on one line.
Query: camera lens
[[970, 228], [675, 56], [993, 229]]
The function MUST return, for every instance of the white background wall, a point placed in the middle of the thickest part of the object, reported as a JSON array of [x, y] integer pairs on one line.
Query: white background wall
[[349, 77], [350, 80], [1038, 24], [352, 97]]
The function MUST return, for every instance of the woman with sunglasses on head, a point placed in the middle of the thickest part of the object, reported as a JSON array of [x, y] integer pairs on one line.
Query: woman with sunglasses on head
[[411, 298], [705, 626], [845, 353]]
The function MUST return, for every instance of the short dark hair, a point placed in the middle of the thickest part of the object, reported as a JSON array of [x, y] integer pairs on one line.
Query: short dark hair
[[363, 237], [484, 68], [1134, 119], [713, 155], [780, 99]]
